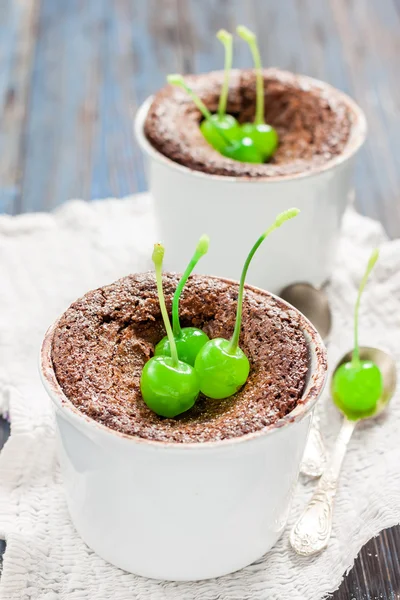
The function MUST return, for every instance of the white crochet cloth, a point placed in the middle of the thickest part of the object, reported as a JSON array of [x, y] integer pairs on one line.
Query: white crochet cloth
[[47, 261]]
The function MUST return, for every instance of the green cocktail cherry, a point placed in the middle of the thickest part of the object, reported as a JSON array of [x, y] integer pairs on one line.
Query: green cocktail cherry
[[169, 386], [223, 121], [222, 367], [263, 135], [188, 340], [358, 384], [243, 150]]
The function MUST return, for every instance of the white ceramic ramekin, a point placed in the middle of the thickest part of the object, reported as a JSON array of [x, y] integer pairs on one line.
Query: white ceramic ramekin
[[234, 211], [181, 511]]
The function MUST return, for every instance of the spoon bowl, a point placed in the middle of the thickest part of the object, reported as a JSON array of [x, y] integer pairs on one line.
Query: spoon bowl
[[387, 366], [312, 302]]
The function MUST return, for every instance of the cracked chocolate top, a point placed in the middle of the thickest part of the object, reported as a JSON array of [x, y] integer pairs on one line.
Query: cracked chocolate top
[[313, 122], [103, 340]]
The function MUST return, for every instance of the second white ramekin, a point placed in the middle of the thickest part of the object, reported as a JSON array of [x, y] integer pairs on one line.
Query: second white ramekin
[[235, 211]]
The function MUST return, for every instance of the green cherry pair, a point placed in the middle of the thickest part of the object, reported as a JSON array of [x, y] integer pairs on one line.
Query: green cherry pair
[[251, 142], [358, 384], [188, 340], [169, 386]]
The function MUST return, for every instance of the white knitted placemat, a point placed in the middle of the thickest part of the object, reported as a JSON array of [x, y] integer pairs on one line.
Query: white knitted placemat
[[47, 261]]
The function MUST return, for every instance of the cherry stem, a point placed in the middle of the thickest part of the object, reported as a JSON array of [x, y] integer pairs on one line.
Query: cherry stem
[[158, 256], [250, 37], [280, 219], [201, 250], [355, 360], [178, 80], [226, 38]]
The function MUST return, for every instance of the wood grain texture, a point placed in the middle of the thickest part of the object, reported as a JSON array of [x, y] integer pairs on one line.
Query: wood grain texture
[[18, 29], [73, 73]]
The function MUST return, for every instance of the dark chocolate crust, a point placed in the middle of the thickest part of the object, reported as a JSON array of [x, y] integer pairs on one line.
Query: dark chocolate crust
[[313, 122], [103, 340]]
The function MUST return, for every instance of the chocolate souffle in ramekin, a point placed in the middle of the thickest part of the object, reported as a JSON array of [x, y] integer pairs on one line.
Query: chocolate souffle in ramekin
[[313, 122], [103, 340]]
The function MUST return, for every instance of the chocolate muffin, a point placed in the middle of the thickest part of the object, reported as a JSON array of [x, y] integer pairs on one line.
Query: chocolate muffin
[[103, 340], [313, 121]]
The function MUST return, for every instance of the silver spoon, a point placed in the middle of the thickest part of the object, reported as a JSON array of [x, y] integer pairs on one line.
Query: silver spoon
[[312, 531], [314, 304]]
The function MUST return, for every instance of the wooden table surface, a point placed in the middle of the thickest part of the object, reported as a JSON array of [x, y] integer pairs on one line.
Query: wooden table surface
[[73, 72]]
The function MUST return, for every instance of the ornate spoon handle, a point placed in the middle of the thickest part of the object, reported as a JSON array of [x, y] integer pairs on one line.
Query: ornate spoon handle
[[314, 458], [312, 531]]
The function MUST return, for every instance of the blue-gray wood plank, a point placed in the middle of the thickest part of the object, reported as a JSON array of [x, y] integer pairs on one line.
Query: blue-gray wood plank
[[73, 73]]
